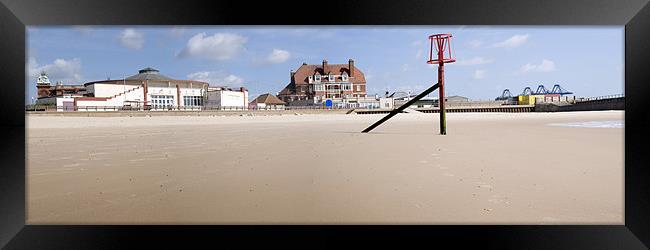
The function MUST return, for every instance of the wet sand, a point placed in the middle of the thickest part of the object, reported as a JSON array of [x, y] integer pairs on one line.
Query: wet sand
[[491, 168]]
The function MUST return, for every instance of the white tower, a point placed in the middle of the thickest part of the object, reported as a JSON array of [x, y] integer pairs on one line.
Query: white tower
[[43, 79]]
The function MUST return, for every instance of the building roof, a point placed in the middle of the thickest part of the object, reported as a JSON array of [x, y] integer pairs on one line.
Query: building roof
[[268, 99], [306, 70], [218, 88], [138, 82], [457, 96], [287, 90], [149, 74]]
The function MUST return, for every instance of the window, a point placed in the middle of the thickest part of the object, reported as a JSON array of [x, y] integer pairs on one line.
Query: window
[[162, 101], [311, 79], [358, 87], [330, 77], [317, 77], [344, 77], [319, 87], [192, 100]]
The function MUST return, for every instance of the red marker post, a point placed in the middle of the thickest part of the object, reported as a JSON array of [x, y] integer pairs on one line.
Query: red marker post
[[441, 43]]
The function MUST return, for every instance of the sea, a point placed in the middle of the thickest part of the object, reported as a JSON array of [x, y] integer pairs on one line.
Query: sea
[[592, 124]]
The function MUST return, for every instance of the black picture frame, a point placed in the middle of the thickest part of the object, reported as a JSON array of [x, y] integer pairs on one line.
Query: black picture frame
[[15, 15]]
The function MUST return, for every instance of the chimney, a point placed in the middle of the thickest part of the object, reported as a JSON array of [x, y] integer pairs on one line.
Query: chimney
[[351, 67], [324, 66], [291, 75]]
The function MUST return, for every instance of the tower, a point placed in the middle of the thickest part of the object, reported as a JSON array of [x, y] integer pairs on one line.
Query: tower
[[43, 85], [43, 79]]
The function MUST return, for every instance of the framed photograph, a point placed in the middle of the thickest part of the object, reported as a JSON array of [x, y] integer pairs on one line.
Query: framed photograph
[[469, 123]]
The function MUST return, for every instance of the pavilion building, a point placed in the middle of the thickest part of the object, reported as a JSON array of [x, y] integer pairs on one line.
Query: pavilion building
[[147, 90]]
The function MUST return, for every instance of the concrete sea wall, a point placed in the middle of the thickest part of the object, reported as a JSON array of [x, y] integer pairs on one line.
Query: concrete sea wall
[[594, 105]]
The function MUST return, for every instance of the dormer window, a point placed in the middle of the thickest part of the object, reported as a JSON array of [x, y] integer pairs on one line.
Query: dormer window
[[330, 77], [311, 79], [317, 77], [344, 77]]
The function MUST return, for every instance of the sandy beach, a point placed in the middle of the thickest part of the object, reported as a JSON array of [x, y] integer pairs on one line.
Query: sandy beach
[[491, 168]]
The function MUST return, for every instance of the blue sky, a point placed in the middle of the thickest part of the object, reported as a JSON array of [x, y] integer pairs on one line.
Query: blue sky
[[588, 60]]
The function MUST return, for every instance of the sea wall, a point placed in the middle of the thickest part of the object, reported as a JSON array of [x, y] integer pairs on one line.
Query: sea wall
[[594, 105]]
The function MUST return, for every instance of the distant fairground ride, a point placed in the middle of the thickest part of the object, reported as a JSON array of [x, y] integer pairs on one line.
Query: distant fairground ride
[[541, 90]]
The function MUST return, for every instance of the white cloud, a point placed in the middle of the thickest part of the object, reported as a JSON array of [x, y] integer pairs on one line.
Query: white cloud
[[217, 78], [277, 56], [131, 39], [479, 74], [474, 61], [65, 71], [544, 66], [514, 41], [475, 44], [219, 47]]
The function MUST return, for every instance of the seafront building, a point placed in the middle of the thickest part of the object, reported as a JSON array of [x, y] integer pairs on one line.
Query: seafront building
[[225, 98], [148, 90], [267, 102], [318, 84]]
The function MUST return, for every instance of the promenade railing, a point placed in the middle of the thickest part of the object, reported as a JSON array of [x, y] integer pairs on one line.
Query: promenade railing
[[604, 97], [53, 108]]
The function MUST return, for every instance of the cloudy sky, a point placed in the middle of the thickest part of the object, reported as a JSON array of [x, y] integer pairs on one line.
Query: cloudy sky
[[588, 60]]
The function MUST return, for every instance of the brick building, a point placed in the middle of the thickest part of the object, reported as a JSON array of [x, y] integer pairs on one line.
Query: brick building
[[45, 89], [313, 83]]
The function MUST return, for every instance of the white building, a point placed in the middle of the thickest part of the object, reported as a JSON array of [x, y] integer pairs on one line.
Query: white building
[[148, 90], [224, 98]]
